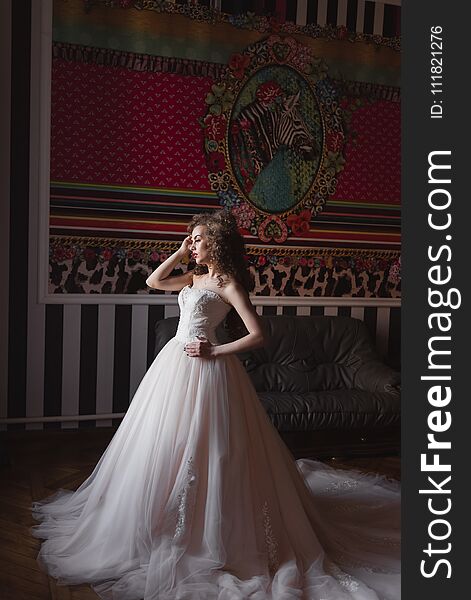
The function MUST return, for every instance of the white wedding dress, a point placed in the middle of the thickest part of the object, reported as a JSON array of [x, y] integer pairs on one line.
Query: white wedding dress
[[196, 497]]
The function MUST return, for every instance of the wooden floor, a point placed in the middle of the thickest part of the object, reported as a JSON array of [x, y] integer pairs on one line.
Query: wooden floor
[[33, 465]]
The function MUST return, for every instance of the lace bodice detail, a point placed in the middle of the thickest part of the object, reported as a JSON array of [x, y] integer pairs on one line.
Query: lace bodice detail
[[201, 311]]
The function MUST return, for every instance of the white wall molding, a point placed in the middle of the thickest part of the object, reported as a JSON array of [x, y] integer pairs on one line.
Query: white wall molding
[[64, 419], [171, 299], [41, 70]]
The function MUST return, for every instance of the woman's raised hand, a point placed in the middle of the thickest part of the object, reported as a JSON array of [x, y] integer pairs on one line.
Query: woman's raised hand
[[185, 247]]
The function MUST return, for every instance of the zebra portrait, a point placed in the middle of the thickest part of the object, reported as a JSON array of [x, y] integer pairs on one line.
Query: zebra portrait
[[270, 143]]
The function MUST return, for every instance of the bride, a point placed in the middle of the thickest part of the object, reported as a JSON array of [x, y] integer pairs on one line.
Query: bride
[[196, 496]]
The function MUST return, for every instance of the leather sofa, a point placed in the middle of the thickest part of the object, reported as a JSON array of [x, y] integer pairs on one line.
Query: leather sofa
[[322, 384]]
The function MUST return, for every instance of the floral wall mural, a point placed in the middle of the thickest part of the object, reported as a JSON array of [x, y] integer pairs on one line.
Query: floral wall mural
[[161, 110]]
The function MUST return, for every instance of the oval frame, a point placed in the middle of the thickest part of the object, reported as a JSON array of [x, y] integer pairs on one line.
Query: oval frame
[[273, 51], [320, 146]]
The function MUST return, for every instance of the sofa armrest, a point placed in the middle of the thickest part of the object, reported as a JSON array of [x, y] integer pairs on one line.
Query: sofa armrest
[[375, 376]]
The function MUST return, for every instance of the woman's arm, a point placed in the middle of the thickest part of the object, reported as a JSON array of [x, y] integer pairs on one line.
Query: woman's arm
[[240, 300], [249, 342], [159, 278]]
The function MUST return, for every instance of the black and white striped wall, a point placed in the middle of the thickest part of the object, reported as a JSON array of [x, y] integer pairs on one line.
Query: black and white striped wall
[[71, 362], [88, 359]]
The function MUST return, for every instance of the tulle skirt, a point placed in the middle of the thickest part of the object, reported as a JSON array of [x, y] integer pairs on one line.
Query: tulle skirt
[[196, 497]]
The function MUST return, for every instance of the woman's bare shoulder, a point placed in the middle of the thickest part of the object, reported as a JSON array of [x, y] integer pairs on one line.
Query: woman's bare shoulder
[[232, 284], [235, 290]]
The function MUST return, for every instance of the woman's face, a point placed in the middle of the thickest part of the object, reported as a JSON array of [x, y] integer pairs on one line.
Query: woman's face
[[200, 247]]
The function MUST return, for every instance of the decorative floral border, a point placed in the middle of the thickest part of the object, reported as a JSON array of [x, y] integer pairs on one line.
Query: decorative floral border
[[279, 51], [249, 20], [101, 266]]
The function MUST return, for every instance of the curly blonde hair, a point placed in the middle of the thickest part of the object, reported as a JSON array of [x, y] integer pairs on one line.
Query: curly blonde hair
[[226, 250], [226, 247]]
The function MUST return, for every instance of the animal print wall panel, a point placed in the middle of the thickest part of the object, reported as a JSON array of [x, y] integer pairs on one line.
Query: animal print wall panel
[[106, 266]]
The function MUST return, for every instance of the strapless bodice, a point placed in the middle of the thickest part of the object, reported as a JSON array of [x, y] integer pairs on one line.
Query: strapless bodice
[[201, 311]]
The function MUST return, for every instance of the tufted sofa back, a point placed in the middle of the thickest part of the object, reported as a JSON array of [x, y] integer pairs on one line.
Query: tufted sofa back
[[304, 353]]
